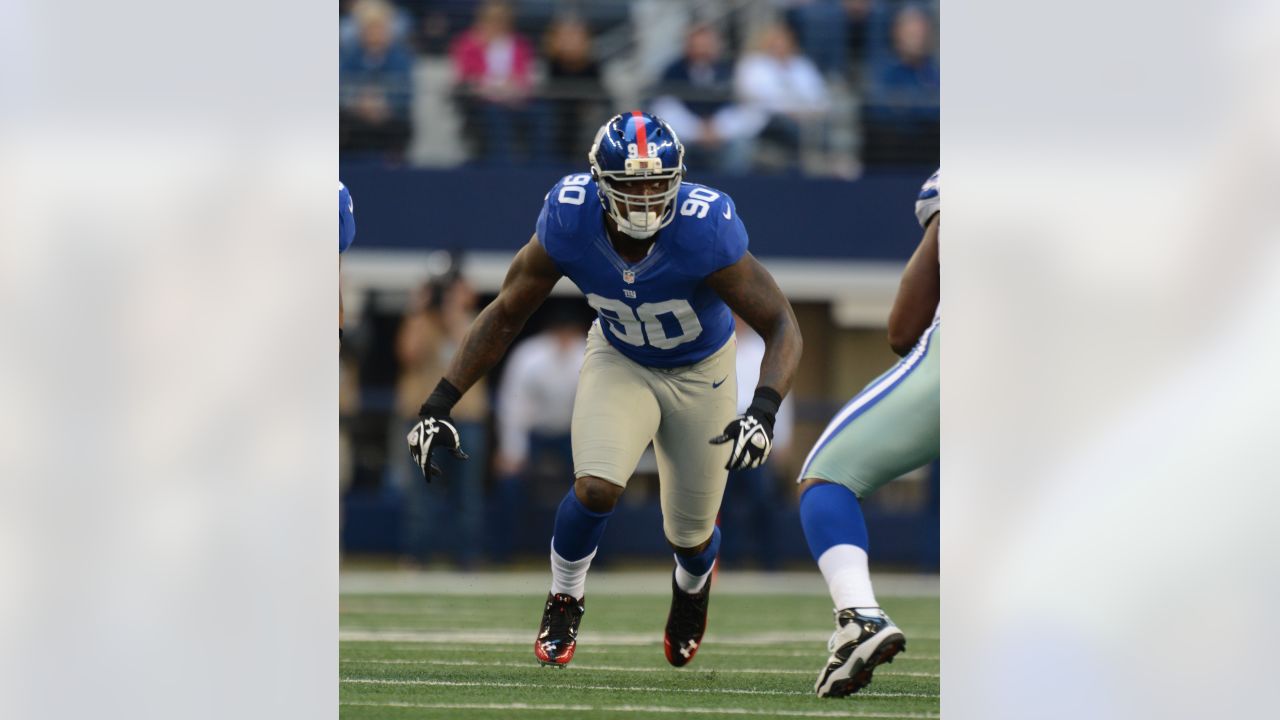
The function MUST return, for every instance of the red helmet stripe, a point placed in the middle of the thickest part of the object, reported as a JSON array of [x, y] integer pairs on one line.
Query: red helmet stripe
[[642, 134]]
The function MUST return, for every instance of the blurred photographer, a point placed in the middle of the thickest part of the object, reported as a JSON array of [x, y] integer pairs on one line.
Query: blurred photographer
[[445, 516], [534, 417]]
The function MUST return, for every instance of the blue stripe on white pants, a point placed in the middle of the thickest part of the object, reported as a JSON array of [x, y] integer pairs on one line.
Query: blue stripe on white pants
[[871, 395]]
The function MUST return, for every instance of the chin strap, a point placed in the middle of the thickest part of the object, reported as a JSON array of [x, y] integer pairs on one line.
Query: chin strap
[[627, 226], [638, 235]]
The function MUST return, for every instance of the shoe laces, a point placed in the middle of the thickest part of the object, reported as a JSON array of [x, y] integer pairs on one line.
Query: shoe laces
[[563, 611], [687, 619], [865, 625]]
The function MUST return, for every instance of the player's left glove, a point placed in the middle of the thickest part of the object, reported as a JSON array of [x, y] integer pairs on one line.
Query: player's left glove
[[752, 432]]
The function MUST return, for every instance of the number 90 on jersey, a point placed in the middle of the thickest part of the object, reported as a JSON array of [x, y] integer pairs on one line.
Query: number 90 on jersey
[[644, 325]]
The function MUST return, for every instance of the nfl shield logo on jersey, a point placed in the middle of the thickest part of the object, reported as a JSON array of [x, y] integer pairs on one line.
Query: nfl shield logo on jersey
[[628, 277]]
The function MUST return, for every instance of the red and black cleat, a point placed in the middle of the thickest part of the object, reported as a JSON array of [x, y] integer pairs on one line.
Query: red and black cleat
[[686, 623], [558, 636]]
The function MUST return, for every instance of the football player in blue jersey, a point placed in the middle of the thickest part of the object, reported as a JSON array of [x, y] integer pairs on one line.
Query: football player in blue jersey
[[889, 428], [665, 264], [346, 235]]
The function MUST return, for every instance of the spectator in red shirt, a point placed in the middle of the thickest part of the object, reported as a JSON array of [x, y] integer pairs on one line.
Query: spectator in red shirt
[[493, 68]]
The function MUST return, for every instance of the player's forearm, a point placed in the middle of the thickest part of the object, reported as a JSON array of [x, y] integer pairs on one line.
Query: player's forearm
[[918, 293], [783, 346], [484, 344], [751, 292], [907, 323], [914, 305]]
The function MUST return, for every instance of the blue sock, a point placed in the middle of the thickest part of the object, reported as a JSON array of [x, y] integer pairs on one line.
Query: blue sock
[[578, 529], [831, 515], [700, 564]]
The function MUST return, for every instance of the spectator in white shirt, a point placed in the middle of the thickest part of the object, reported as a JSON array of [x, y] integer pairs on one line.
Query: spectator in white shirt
[[776, 80], [750, 353], [696, 97], [752, 496], [534, 414], [537, 391]]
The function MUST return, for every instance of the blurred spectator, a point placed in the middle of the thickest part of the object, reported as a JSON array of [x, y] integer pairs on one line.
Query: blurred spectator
[[349, 27], [447, 514], [857, 20], [573, 88], [436, 21], [376, 87], [696, 98], [775, 79], [493, 67], [752, 497], [901, 113], [823, 30], [534, 414]]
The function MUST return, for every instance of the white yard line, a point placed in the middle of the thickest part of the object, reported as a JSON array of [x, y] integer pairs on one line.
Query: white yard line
[[624, 668], [521, 636], [735, 652], [374, 607], [652, 709], [645, 582], [819, 652], [613, 688]]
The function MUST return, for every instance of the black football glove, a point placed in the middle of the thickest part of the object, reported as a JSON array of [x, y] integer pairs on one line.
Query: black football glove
[[751, 432], [435, 430]]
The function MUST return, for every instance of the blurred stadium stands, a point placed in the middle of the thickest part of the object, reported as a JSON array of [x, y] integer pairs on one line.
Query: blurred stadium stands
[[448, 164], [447, 82]]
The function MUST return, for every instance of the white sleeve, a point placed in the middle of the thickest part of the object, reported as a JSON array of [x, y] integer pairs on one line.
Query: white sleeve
[[752, 82], [687, 125], [929, 202], [739, 121], [810, 86], [514, 414]]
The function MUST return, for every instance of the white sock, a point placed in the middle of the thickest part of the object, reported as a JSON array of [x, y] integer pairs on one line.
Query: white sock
[[845, 569], [689, 582], [569, 577]]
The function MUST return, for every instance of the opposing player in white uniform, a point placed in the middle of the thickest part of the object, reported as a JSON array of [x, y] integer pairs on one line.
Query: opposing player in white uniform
[[665, 264], [889, 428]]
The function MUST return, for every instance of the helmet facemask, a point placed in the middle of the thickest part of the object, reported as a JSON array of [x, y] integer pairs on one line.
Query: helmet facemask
[[637, 213]]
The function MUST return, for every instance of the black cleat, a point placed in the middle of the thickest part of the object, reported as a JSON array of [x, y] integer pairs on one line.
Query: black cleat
[[685, 623], [863, 639], [558, 636]]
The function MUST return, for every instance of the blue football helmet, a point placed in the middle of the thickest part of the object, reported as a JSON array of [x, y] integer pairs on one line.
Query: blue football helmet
[[631, 148]]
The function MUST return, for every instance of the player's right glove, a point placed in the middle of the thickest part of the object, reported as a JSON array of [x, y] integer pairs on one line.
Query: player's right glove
[[751, 432], [435, 429]]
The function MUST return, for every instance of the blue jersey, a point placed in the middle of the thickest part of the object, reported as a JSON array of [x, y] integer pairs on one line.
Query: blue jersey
[[659, 312], [346, 218]]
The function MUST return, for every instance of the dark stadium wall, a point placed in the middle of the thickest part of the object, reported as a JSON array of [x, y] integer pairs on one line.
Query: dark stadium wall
[[487, 209]]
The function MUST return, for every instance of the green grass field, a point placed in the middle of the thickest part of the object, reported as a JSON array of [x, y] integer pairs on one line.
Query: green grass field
[[469, 654]]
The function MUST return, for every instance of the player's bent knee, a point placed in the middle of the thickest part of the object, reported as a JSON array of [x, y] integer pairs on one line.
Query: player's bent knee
[[690, 551], [808, 483], [595, 494]]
